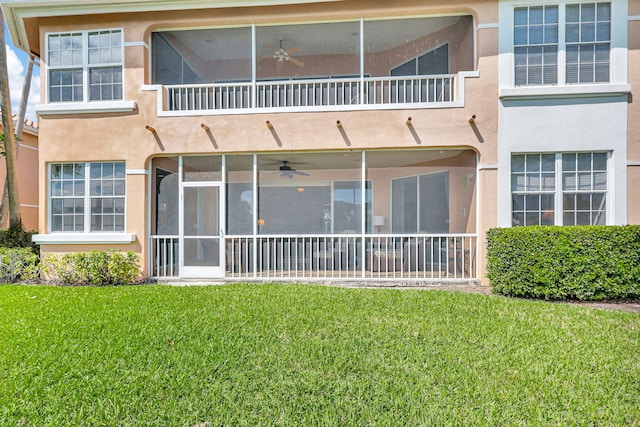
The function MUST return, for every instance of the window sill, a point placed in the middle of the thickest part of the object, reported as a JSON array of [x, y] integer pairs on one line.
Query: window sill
[[83, 238], [86, 107], [568, 91]]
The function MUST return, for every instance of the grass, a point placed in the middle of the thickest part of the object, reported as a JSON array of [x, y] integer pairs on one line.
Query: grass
[[308, 355]]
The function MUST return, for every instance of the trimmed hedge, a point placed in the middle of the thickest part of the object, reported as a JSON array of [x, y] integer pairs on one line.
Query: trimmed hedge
[[555, 263], [98, 268], [18, 265]]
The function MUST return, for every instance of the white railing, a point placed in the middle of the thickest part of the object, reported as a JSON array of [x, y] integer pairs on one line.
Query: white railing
[[425, 257], [164, 256], [222, 96], [307, 93], [410, 90], [312, 93]]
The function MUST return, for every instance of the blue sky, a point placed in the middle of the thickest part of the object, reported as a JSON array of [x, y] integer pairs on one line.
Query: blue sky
[[17, 67]]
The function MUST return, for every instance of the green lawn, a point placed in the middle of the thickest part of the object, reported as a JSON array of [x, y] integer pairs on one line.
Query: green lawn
[[309, 355]]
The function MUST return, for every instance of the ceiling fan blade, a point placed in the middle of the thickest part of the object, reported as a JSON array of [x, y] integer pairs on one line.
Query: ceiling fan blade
[[272, 48], [299, 173], [292, 50], [262, 58], [296, 62]]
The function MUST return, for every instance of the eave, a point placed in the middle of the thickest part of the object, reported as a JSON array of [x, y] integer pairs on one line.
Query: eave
[[16, 11]]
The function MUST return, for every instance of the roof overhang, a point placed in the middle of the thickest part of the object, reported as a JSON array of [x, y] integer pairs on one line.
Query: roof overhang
[[16, 11]]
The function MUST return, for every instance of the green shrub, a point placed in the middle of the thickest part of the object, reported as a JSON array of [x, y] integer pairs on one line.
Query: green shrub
[[581, 263], [99, 268], [18, 265], [17, 237]]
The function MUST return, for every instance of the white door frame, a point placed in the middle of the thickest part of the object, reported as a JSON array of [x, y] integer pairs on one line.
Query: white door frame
[[201, 272]]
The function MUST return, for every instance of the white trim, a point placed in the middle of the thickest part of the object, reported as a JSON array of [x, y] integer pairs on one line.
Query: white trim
[[487, 26], [618, 43], [148, 207], [633, 162], [86, 107], [320, 108], [634, 18], [16, 11], [46, 8], [29, 206], [86, 66], [459, 103], [28, 147], [135, 44], [159, 94], [83, 238], [137, 172], [487, 167], [571, 91]]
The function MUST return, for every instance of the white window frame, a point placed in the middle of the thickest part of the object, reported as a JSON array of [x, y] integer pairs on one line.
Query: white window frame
[[594, 42], [561, 44], [559, 191], [542, 45], [86, 200], [86, 66], [617, 53]]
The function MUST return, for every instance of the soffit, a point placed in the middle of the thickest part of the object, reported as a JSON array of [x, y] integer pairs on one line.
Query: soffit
[[17, 11]]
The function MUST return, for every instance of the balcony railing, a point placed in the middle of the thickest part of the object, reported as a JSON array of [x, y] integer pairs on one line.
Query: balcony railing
[[424, 257], [312, 93]]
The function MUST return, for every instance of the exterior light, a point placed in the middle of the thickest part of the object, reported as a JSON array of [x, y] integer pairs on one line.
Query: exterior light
[[378, 221]]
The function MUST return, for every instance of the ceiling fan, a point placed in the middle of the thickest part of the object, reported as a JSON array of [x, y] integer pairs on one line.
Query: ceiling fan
[[282, 55], [287, 171]]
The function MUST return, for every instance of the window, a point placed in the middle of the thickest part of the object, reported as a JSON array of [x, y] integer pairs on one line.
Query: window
[[584, 188], [533, 188], [436, 61], [347, 203], [585, 43], [561, 188], [420, 204], [85, 66], [87, 197], [588, 35], [535, 40], [169, 67]]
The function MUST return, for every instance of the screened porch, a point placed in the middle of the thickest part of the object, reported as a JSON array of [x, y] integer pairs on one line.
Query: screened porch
[[342, 215], [356, 64]]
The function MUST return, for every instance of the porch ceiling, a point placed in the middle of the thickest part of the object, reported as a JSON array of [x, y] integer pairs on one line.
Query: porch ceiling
[[317, 39], [349, 160]]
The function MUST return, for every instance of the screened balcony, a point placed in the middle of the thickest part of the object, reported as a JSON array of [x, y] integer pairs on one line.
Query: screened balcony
[[364, 64], [392, 215]]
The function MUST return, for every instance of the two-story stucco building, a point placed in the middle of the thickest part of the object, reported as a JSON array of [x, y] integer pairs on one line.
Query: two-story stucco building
[[26, 167], [322, 139]]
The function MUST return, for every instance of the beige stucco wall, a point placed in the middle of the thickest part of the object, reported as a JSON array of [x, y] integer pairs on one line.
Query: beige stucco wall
[[123, 136], [28, 182]]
